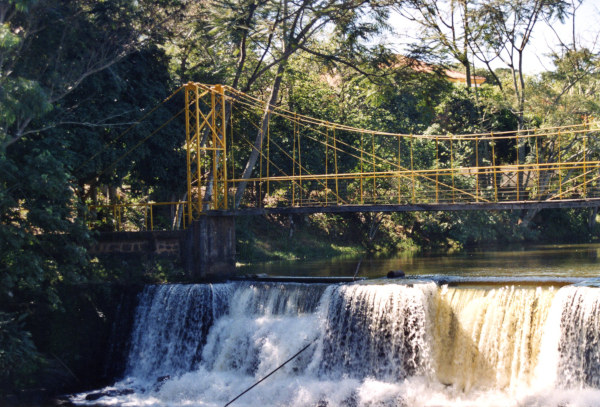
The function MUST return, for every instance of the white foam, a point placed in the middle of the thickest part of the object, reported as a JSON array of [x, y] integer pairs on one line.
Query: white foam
[[377, 344]]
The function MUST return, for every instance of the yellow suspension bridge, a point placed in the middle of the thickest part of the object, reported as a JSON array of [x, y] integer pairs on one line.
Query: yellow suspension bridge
[[307, 165]]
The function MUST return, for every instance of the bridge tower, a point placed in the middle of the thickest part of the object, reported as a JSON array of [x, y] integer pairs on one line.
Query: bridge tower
[[206, 124]]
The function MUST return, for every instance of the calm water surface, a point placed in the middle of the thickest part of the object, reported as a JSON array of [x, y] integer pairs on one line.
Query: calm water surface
[[529, 262]]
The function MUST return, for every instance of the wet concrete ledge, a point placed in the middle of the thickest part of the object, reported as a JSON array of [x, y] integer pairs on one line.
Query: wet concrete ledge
[[296, 279]]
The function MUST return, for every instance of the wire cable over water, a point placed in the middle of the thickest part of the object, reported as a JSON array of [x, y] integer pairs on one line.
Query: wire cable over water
[[379, 344], [141, 142], [267, 376]]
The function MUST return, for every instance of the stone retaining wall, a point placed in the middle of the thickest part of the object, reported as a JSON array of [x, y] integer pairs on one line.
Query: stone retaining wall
[[206, 247], [157, 243]]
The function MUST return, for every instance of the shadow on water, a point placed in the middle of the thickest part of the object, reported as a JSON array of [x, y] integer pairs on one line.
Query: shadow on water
[[508, 261]]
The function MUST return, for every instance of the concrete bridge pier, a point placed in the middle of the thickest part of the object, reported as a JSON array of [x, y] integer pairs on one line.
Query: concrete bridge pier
[[208, 246], [205, 248]]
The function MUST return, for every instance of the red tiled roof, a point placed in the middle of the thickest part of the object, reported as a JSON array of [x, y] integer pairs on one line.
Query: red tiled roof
[[453, 76]]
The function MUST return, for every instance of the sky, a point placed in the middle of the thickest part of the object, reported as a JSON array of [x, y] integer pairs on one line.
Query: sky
[[587, 23]]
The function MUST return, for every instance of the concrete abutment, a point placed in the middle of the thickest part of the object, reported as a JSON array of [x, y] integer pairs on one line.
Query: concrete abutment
[[205, 248]]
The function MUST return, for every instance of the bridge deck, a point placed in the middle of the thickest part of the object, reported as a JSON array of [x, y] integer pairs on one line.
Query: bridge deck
[[316, 166], [474, 206]]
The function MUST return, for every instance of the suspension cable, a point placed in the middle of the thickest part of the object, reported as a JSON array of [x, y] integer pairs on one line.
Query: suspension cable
[[141, 142], [129, 128]]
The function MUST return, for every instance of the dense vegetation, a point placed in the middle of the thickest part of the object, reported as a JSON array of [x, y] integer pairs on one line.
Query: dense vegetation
[[76, 75]]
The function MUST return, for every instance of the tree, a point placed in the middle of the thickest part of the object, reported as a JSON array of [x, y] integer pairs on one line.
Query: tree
[[50, 47], [297, 24], [447, 25], [133, 88], [49, 50], [506, 29]]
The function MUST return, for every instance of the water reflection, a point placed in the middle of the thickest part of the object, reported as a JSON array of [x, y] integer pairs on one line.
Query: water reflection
[[515, 261]]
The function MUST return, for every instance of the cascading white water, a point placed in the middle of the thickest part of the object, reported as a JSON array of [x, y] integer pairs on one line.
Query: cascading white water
[[171, 326], [489, 338], [394, 344], [265, 325], [377, 331], [572, 350]]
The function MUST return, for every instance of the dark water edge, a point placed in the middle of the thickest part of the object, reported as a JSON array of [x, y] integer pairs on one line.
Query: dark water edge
[[35, 398], [83, 347]]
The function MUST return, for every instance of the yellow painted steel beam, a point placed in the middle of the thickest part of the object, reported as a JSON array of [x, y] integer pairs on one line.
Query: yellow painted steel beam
[[208, 149]]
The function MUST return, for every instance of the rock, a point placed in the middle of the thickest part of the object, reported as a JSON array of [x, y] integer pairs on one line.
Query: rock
[[109, 393], [94, 396], [322, 403], [160, 381], [257, 276], [351, 401], [395, 274], [121, 392], [62, 401], [163, 378]]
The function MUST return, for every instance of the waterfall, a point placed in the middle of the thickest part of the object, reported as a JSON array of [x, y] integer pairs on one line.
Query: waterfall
[[489, 338], [266, 325], [171, 326], [572, 349], [408, 343], [377, 331]]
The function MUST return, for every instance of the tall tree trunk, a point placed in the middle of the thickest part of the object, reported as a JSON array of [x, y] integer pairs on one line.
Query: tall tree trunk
[[94, 192], [467, 66], [94, 195], [113, 195], [526, 218], [466, 46], [261, 135], [173, 208], [179, 213], [527, 215]]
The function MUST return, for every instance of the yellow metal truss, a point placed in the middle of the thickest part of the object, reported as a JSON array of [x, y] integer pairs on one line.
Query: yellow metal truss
[[375, 178], [206, 146]]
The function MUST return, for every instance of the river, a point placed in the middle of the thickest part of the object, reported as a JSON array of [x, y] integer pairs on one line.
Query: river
[[493, 327], [569, 261]]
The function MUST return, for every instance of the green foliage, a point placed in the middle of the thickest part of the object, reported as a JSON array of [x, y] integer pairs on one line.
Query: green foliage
[[43, 230], [18, 355], [124, 95], [63, 97], [270, 239], [74, 76], [570, 225], [21, 97], [22, 5]]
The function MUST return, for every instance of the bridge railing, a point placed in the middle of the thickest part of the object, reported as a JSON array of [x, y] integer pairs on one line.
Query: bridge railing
[[466, 184], [560, 163], [303, 161], [403, 190], [134, 217]]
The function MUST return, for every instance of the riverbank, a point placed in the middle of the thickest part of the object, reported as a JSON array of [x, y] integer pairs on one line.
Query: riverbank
[[79, 346], [274, 238], [305, 237]]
